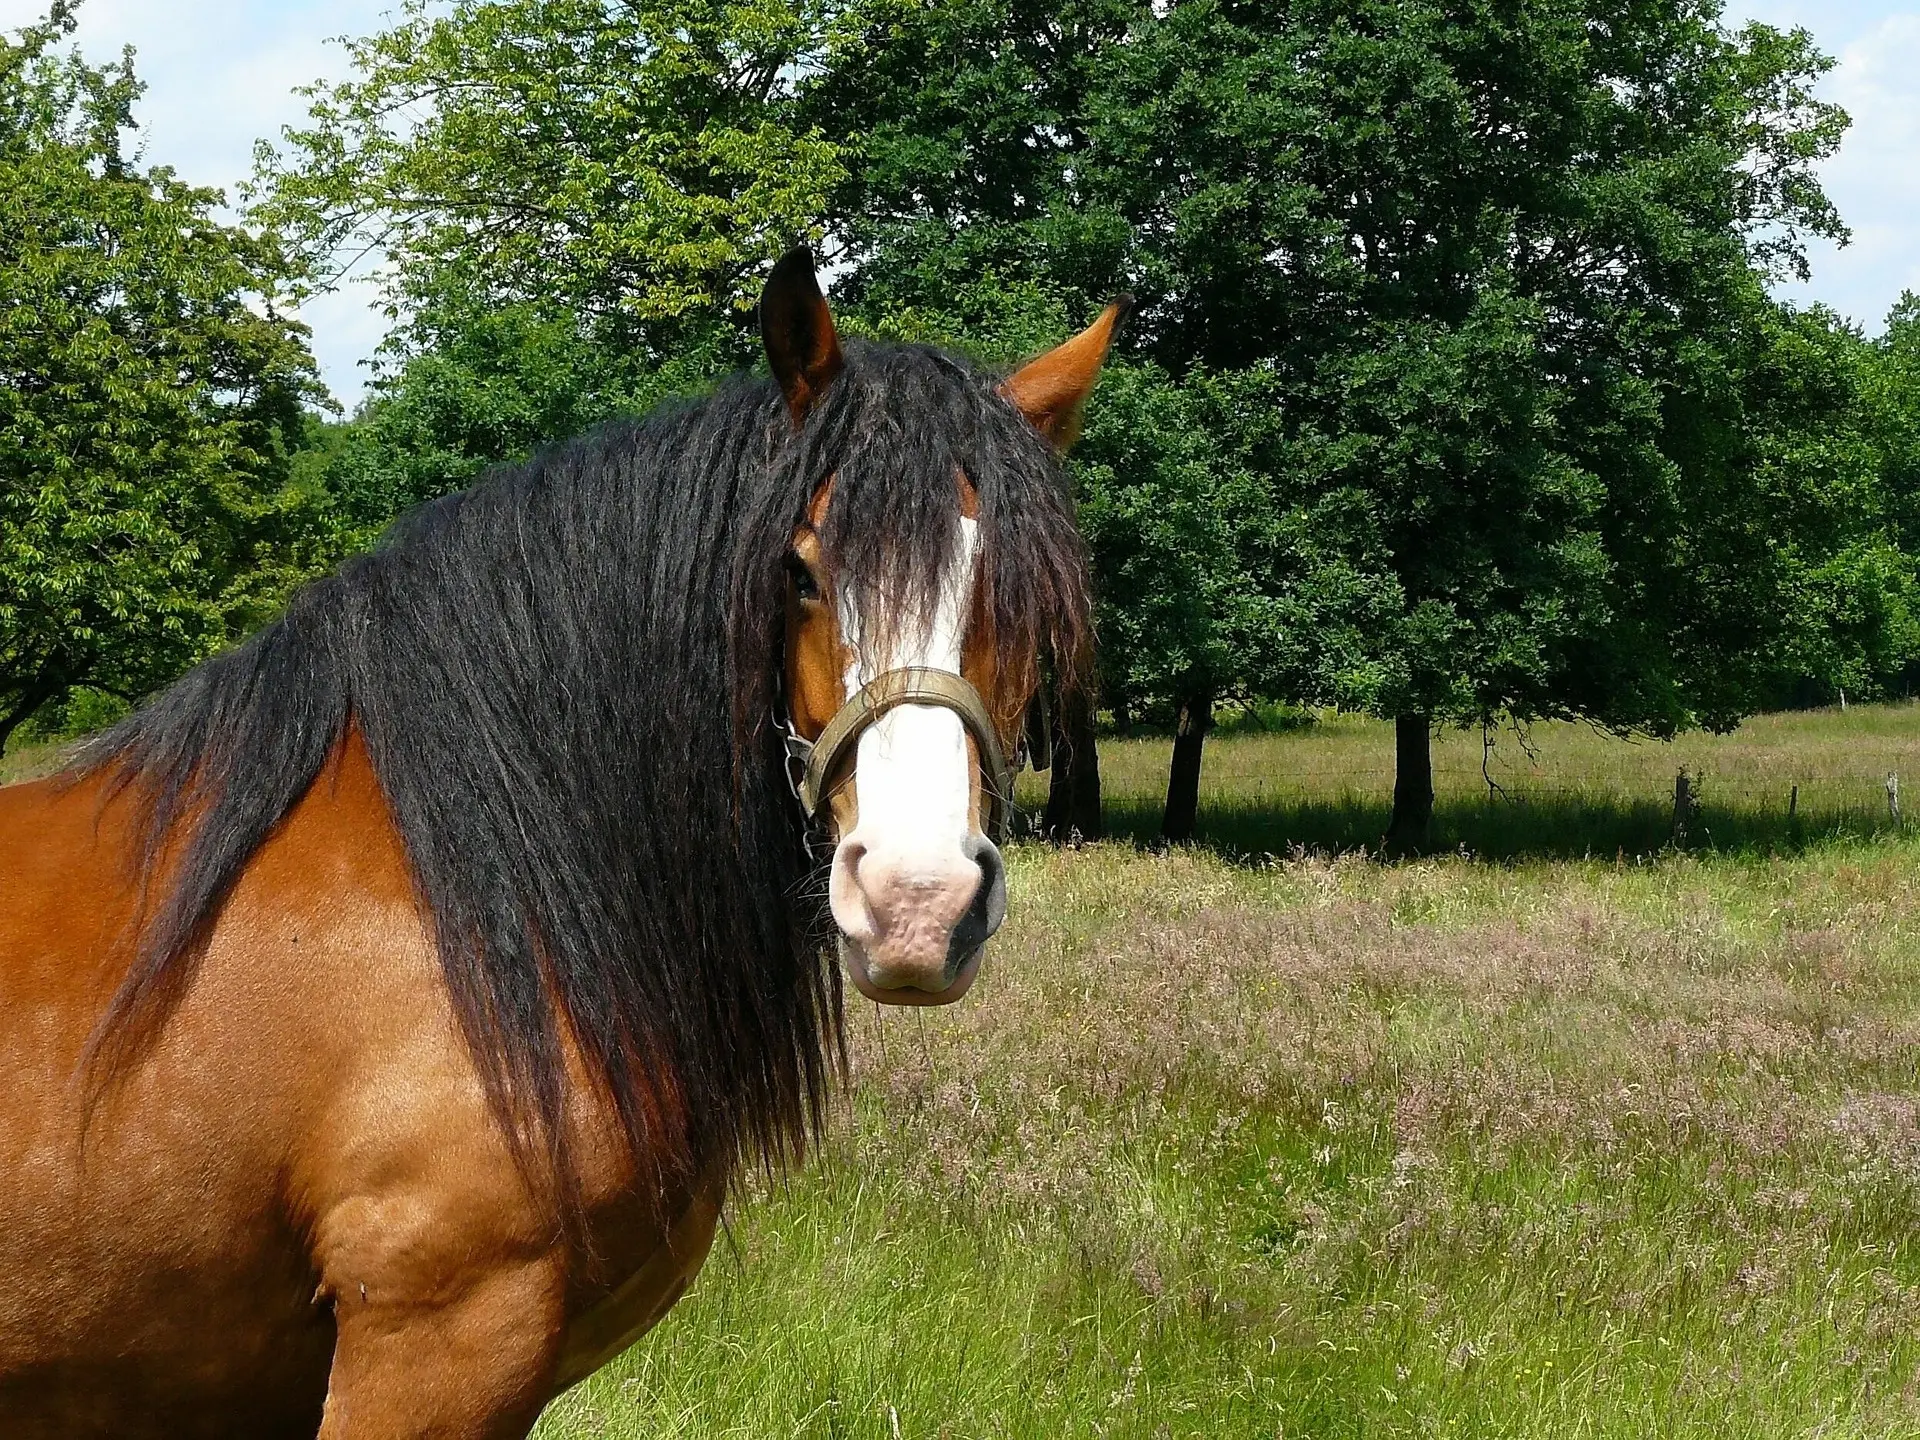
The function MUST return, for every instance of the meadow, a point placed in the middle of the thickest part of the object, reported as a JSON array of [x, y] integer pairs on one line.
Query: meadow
[[1565, 1132]]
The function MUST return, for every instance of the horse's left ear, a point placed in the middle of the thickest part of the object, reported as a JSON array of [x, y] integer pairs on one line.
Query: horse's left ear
[[797, 329], [1052, 390]]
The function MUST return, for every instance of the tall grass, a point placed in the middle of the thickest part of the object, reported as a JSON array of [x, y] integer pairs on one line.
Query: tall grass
[[1604, 1140]]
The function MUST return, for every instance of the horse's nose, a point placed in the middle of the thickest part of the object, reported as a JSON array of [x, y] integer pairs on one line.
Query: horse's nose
[[915, 922]]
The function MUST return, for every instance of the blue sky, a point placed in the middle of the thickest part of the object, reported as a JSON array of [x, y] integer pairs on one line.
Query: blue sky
[[221, 73]]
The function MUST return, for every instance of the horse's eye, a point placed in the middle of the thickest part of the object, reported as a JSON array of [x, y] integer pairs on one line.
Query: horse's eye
[[804, 585]]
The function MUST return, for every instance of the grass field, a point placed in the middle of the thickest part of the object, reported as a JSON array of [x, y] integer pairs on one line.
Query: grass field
[[1563, 789], [1562, 1134], [1594, 1139], [25, 762]]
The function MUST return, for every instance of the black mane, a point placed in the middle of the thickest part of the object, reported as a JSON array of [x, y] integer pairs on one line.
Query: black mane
[[563, 677]]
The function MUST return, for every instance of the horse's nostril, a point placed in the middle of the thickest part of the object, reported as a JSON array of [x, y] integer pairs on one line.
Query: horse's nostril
[[988, 908], [993, 879]]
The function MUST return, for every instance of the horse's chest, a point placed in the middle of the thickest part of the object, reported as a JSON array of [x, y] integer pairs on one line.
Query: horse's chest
[[634, 1306]]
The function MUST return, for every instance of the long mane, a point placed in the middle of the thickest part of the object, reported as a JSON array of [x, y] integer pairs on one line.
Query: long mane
[[564, 678]]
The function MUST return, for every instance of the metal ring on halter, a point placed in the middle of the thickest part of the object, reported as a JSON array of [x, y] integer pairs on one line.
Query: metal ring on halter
[[913, 685]]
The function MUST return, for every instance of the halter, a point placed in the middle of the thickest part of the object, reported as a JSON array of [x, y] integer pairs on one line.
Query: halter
[[812, 763]]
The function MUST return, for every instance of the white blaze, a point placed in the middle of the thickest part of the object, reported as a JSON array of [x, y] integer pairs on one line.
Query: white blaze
[[912, 779]]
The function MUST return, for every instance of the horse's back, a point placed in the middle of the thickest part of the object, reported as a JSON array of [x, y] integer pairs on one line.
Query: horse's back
[[67, 894], [67, 886]]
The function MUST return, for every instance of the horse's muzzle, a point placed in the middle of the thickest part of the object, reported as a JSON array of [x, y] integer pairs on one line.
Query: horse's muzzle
[[913, 927]]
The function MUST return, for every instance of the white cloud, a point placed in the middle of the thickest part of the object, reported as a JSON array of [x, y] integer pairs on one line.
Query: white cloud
[[1875, 179], [348, 327]]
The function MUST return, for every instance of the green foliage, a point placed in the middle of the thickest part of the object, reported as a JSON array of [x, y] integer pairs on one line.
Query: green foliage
[[1212, 579], [967, 127], [575, 201], [150, 398], [1890, 399], [495, 386], [1445, 315], [1829, 533], [1454, 389], [634, 163]]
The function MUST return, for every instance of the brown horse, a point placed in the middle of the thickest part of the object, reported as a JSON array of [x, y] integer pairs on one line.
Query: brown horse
[[389, 1005]]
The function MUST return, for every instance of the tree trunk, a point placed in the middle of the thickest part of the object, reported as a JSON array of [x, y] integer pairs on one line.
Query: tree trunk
[[39, 690], [1412, 785], [1183, 785], [1073, 787]]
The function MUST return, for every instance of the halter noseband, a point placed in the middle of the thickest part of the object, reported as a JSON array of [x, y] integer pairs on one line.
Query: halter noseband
[[913, 685]]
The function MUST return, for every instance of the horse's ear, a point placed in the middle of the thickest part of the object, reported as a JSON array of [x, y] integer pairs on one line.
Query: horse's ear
[[797, 328], [1052, 390]]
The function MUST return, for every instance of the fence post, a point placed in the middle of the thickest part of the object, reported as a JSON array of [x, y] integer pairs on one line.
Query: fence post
[[1893, 796], [1682, 805]]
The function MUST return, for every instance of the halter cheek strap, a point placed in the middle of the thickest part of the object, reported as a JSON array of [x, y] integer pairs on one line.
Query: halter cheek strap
[[913, 685]]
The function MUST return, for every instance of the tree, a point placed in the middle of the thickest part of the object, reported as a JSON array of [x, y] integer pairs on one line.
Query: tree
[[150, 398], [566, 194], [1891, 390], [1214, 587], [1827, 563], [965, 128], [960, 126], [1483, 280], [491, 385], [1501, 263]]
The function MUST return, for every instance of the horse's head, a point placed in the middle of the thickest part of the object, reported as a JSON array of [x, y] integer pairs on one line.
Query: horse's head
[[935, 567]]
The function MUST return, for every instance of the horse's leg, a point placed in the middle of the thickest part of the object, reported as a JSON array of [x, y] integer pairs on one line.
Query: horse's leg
[[475, 1367]]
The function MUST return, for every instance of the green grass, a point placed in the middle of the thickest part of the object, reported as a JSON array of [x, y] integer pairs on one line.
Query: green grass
[[1593, 1140], [1563, 789]]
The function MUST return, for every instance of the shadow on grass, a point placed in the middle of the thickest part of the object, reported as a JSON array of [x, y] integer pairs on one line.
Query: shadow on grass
[[1523, 828]]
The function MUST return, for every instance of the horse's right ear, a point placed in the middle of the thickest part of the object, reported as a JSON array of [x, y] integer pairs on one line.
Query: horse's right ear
[[1052, 390], [797, 329]]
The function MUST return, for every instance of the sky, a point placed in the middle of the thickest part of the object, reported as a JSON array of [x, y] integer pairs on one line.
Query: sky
[[221, 74]]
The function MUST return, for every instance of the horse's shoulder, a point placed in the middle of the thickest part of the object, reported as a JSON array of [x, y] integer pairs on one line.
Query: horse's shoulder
[[656, 1273], [68, 888]]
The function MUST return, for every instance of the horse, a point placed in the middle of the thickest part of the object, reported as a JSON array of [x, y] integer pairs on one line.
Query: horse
[[391, 1005]]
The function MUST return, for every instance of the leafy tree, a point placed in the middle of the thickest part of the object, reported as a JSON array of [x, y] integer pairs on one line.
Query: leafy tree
[[1501, 260], [962, 127], [1828, 564], [966, 129], [150, 397], [1215, 585], [1891, 392], [1484, 278], [566, 193], [492, 385], [1453, 392]]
